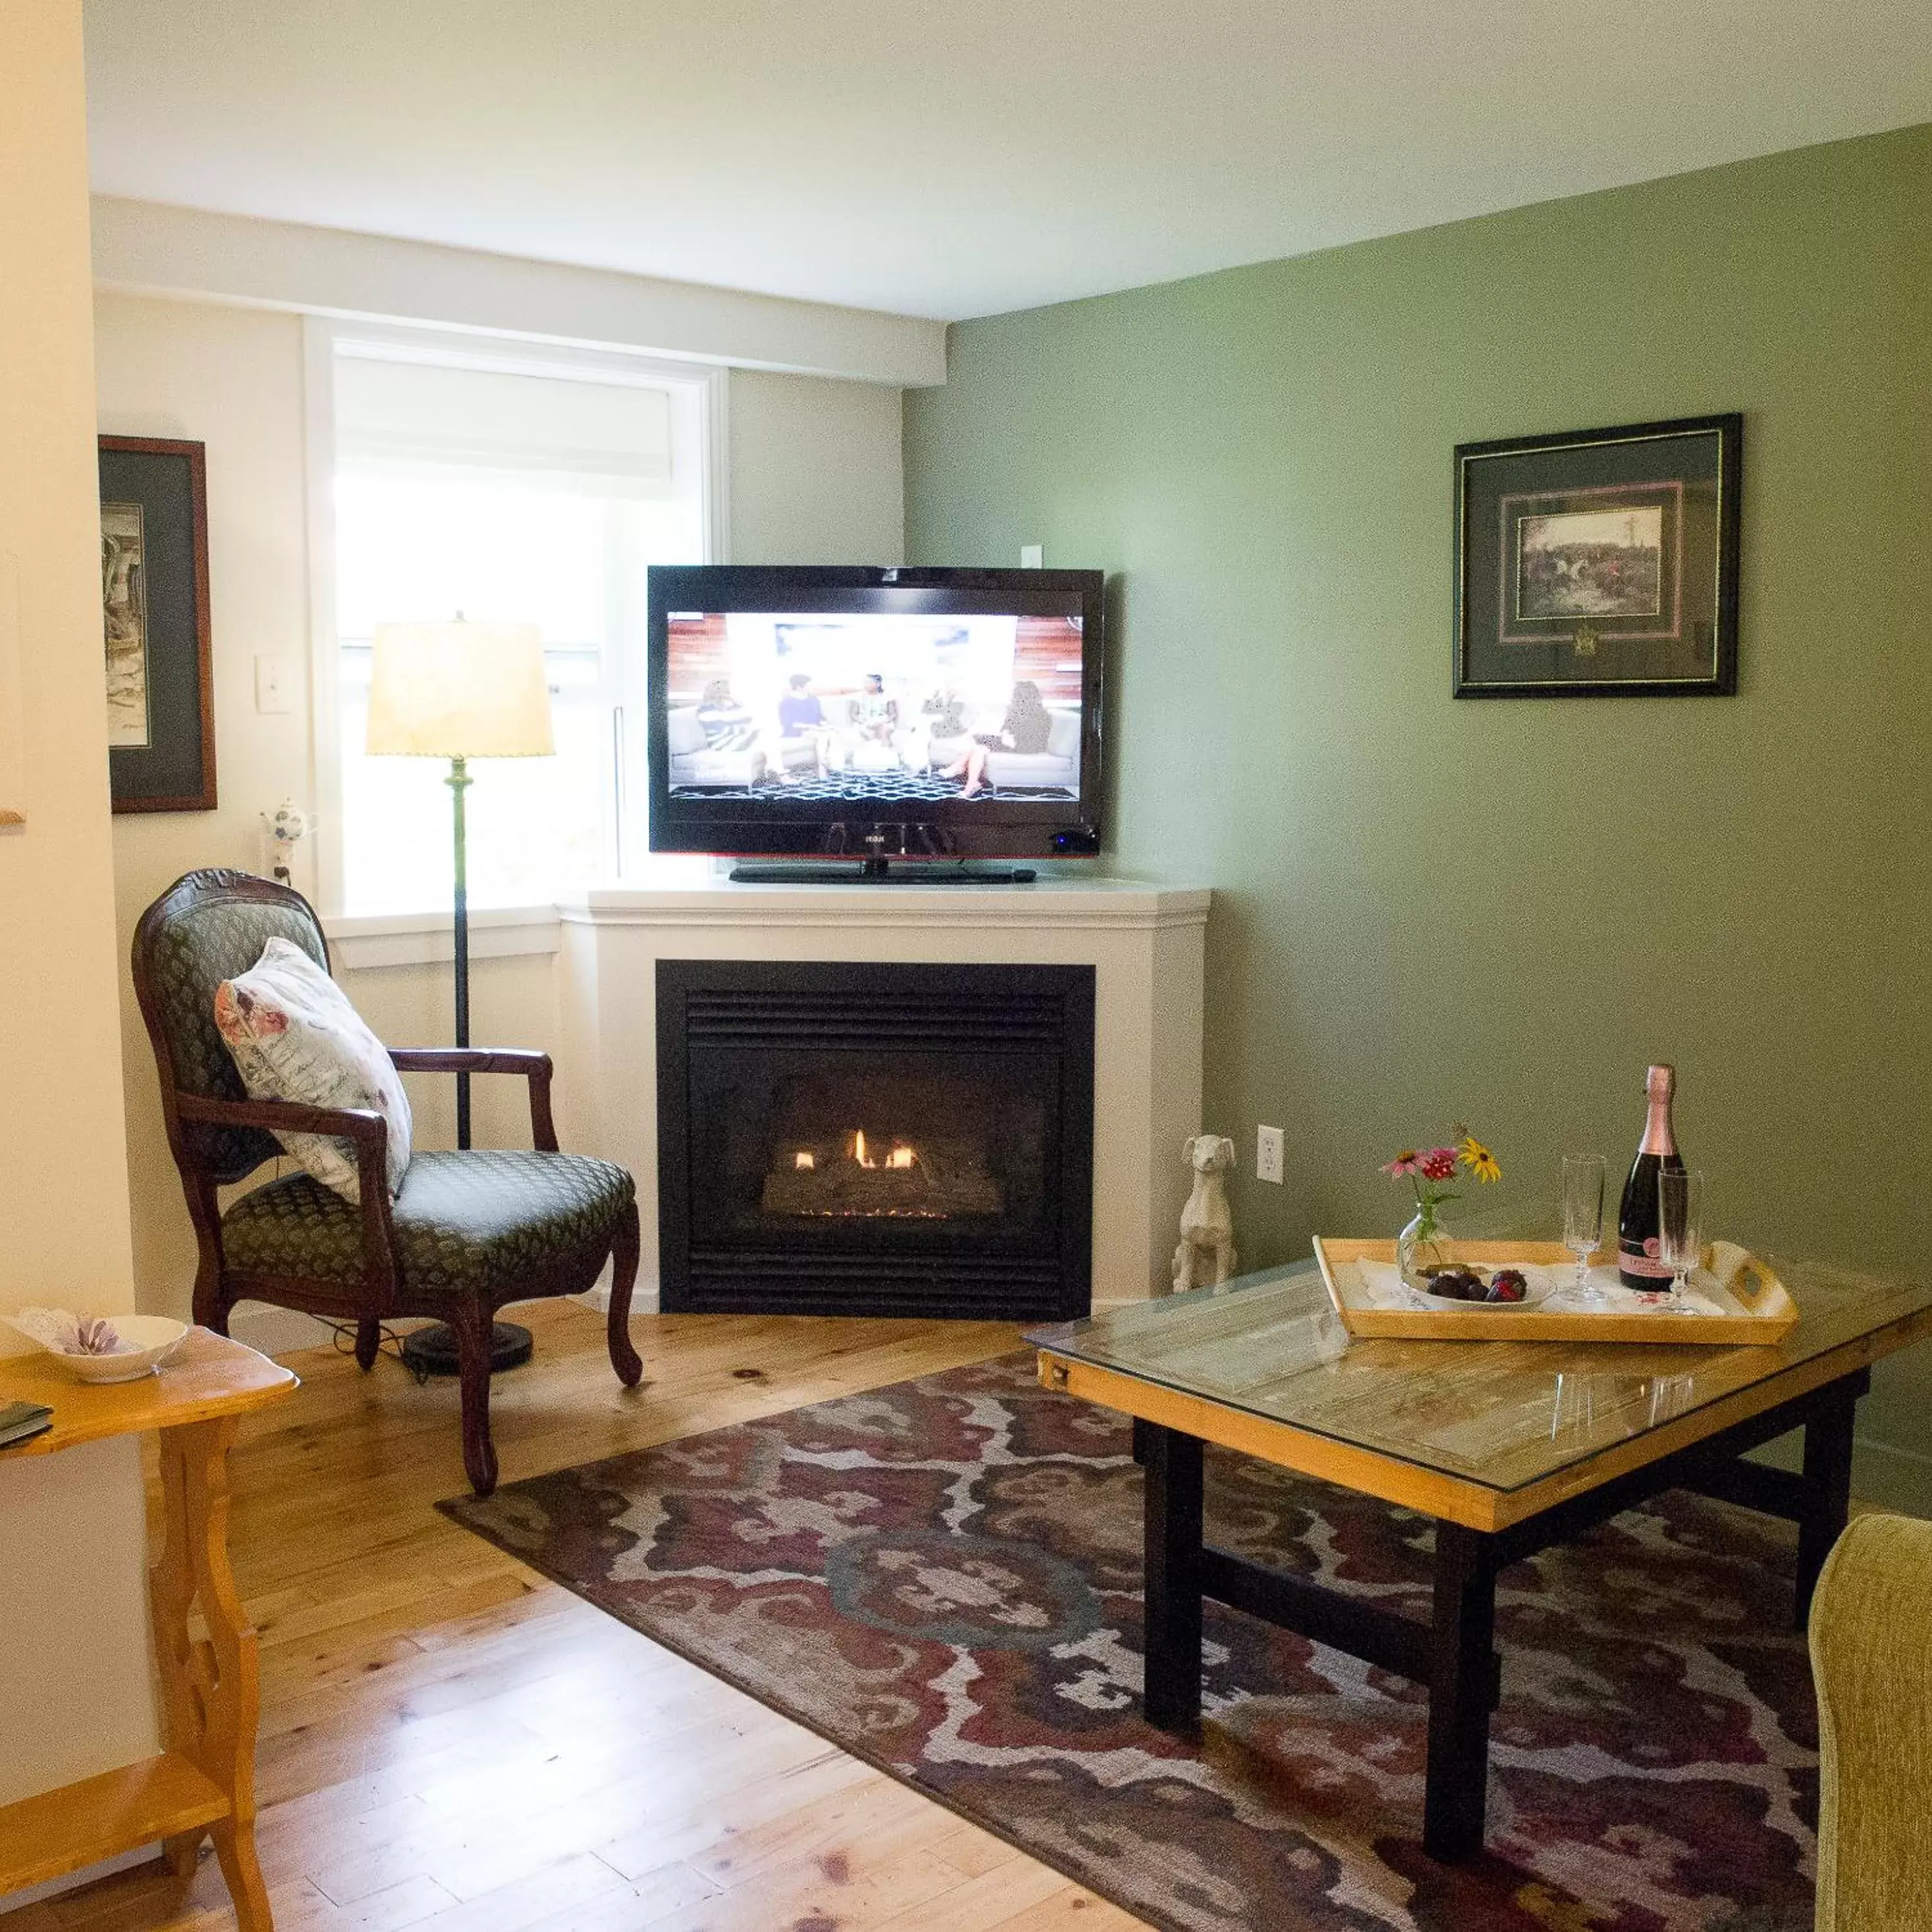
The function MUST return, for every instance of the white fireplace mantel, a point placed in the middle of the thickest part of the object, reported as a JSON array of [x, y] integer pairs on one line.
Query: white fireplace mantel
[[1145, 943]]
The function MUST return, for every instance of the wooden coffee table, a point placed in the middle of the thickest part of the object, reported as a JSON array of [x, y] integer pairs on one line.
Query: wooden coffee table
[[1509, 1446]]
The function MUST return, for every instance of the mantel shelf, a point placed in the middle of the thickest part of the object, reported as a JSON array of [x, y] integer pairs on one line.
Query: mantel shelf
[[1050, 903]]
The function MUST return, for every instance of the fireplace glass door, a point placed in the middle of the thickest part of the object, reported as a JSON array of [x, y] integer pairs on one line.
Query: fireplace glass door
[[880, 1139]]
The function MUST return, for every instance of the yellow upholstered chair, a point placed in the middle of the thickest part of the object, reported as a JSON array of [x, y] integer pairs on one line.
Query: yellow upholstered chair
[[1871, 1656]]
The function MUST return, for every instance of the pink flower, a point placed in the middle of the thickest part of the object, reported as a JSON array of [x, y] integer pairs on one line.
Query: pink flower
[[1438, 1164], [1407, 1162]]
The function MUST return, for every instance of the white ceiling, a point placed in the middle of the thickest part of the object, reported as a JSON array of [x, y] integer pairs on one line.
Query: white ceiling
[[957, 158]]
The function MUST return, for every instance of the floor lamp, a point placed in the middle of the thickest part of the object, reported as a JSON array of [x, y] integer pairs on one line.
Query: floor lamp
[[459, 691]]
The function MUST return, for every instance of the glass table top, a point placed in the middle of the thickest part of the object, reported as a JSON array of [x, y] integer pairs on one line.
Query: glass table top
[[1501, 1414]]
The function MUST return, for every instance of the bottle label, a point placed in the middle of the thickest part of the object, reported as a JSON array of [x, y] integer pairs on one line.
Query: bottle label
[[1644, 1261]]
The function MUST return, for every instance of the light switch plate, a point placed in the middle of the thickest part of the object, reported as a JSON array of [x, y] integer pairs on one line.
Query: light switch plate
[[274, 685], [1269, 1152], [1033, 556]]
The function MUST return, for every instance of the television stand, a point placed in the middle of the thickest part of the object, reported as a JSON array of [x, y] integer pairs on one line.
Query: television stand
[[882, 872]]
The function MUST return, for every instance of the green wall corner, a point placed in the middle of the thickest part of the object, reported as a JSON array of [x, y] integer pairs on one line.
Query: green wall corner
[[1429, 911]]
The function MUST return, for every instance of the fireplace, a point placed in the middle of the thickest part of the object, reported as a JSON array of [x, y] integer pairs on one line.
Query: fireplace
[[874, 1139]]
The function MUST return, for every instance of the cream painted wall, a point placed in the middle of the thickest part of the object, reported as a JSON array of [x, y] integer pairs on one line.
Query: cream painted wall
[[72, 1588], [232, 380], [815, 476]]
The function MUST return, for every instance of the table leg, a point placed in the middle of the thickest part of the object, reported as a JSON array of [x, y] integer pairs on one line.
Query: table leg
[[1171, 1687], [1826, 1500], [211, 1691], [1461, 1687]]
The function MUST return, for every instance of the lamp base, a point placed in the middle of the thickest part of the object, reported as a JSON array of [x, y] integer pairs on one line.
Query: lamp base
[[433, 1351]]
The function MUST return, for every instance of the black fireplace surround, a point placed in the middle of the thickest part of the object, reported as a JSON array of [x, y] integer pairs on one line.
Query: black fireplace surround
[[859, 1138]]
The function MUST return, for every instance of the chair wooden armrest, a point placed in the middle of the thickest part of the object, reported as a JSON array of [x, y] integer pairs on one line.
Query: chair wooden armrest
[[366, 1129], [535, 1067], [359, 1124]]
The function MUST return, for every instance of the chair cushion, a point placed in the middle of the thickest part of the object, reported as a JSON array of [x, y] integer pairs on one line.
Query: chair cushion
[[480, 1221], [296, 1037]]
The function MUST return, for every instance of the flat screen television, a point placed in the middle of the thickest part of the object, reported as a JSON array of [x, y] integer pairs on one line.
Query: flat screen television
[[862, 712]]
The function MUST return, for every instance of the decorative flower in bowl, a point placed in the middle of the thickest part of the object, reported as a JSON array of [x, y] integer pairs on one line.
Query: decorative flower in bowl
[[101, 1349], [1421, 1249]]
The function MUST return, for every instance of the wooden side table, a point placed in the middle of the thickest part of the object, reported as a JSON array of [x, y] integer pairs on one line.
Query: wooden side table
[[203, 1784]]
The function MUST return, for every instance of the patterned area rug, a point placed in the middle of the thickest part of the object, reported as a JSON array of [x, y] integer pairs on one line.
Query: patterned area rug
[[944, 1577]]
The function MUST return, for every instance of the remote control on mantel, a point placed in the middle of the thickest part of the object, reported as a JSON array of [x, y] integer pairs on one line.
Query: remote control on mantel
[[1640, 1263]]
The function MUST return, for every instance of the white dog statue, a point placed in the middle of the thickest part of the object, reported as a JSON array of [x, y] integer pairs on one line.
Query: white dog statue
[[1205, 1258]]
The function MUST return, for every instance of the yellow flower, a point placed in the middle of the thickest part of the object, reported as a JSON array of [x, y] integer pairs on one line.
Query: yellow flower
[[1478, 1160]]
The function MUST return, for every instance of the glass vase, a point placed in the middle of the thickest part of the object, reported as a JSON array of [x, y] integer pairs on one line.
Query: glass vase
[[1422, 1246]]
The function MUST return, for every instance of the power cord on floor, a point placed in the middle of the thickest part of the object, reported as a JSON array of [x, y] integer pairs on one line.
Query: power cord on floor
[[391, 1344]]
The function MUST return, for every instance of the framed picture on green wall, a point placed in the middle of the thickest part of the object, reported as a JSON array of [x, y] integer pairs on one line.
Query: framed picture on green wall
[[1600, 563]]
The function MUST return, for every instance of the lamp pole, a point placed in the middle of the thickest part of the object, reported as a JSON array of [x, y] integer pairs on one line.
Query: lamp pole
[[459, 691], [433, 1350], [459, 782]]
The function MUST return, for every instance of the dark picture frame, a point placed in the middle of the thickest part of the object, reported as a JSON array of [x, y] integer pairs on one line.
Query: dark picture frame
[[1600, 563], [156, 630]]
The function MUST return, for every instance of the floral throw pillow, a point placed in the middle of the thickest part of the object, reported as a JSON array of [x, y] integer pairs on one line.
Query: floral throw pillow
[[294, 1036]]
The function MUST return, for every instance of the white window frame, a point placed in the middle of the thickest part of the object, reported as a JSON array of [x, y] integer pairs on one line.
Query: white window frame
[[707, 384]]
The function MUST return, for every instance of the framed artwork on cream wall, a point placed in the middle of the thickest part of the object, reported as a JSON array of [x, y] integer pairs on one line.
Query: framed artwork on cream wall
[[155, 624], [1600, 563]]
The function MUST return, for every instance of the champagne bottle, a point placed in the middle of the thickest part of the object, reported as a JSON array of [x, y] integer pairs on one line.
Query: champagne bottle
[[1639, 1251]]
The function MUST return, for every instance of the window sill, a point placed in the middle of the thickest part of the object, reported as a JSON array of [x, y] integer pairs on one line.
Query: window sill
[[429, 938]]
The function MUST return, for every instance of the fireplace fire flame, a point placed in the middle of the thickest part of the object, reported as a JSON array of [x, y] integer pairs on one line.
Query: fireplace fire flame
[[805, 1161], [877, 1176], [900, 1156]]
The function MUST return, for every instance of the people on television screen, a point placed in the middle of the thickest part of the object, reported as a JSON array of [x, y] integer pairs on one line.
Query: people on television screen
[[876, 714], [1025, 727], [728, 725], [802, 721], [945, 709]]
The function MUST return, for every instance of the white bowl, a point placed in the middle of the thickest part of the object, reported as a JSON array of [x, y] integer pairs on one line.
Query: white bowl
[[1538, 1292], [150, 1340]]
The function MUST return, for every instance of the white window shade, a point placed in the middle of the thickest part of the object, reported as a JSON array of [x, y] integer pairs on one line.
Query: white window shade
[[538, 499], [404, 418]]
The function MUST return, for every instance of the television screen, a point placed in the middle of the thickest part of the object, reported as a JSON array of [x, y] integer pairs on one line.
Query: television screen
[[793, 710]]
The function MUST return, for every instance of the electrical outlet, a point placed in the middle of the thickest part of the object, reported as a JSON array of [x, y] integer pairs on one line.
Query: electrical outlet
[[1269, 1150], [275, 682], [1031, 555]]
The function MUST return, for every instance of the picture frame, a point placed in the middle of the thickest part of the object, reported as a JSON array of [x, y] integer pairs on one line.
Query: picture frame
[[156, 635], [1600, 563]]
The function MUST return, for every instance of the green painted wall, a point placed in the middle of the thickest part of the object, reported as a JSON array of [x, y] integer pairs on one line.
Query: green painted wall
[[1429, 911]]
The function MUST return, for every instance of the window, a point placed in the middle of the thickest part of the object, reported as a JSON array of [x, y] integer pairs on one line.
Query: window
[[537, 493]]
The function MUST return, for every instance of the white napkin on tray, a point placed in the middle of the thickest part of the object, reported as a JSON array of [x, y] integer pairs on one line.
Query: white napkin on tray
[[1380, 1285]]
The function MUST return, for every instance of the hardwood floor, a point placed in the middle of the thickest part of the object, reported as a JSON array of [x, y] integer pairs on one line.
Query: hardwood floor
[[451, 1743]]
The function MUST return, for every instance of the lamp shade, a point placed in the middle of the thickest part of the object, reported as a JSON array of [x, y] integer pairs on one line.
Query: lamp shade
[[459, 690]]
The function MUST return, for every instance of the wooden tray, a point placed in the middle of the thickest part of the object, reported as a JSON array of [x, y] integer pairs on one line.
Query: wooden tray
[[1766, 1313]]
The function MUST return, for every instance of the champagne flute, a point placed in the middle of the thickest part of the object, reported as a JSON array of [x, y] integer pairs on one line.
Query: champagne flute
[[1680, 1227], [1583, 1219]]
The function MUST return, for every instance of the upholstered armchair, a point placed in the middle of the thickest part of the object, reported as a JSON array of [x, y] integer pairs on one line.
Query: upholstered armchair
[[468, 1232], [1873, 1671]]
